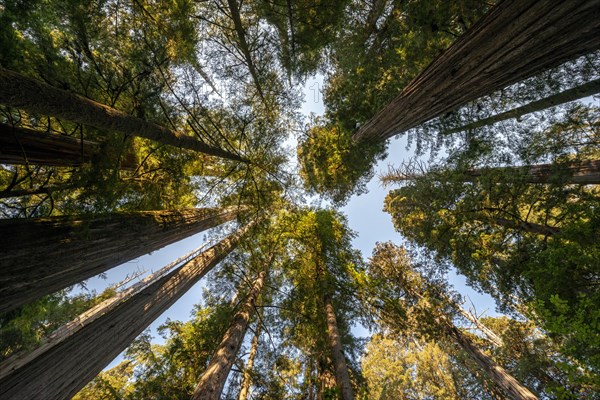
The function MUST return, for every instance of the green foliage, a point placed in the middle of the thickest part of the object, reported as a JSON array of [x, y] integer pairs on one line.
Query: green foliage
[[331, 164]]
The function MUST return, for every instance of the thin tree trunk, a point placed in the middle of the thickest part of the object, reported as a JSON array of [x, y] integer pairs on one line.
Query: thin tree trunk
[[241, 34], [495, 372], [5, 194], [342, 377], [213, 380], [42, 255], [575, 93], [585, 172], [63, 370], [247, 378], [523, 226], [489, 334], [32, 95], [515, 40]]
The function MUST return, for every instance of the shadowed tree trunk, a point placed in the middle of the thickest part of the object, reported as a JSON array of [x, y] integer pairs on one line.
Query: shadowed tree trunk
[[21, 358], [575, 93], [42, 255], [585, 172], [5, 194], [247, 378], [213, 380], [342, 378], [515, 40], [32, 95], [27, 146], [62, 371]]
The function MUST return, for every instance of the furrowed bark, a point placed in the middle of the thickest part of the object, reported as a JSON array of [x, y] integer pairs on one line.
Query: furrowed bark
[[213, 380], [515, 40], [247, 378], [42, 255], [342, 378], [566, 96], [32, 95], [63, 370]]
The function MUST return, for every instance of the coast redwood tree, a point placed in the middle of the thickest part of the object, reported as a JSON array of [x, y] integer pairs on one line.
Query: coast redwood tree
[[42, 255]]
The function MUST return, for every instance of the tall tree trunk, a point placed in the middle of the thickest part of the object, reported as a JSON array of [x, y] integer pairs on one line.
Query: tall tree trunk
[[342, 377], [21, 358], [32, 95], [515, 40], [213, 380], [241, 34], [575, 93], [584, 172], [495, 372], [247, 378], [62, 371], [42, 255]]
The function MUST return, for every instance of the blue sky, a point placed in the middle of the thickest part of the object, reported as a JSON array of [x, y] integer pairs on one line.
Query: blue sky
[[364, 214]]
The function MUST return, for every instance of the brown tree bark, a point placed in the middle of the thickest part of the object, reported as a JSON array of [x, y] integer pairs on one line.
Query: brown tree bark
[[247, 378], [342, 377], [578, 92], [42, 255], [495, 372], [32, 95], [63, 370], [515, 40], [213, 380]]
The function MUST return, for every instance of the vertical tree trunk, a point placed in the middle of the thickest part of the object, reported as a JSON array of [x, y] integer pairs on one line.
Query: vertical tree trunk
[[32, 95], [40, 256], [247, 378], [63, 370], [213, 380], [515, 40], [495, 372], [342, 377], [578, 92]]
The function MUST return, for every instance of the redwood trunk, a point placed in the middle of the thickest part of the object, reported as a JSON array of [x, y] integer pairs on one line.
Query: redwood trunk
[[26, 146], [515, 40], [495, 372], [247, 378], [342, 377], [63, 370], [213, 380], [575, 93], [32, 95], [43, 255]]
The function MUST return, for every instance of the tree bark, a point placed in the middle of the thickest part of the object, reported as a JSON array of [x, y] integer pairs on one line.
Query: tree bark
[[213, 380], [342, 377], [32, 95], [495, 372], [247, 378], [63, 370], [241, 34], [566, 96], [42, 255], [515, 40]]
